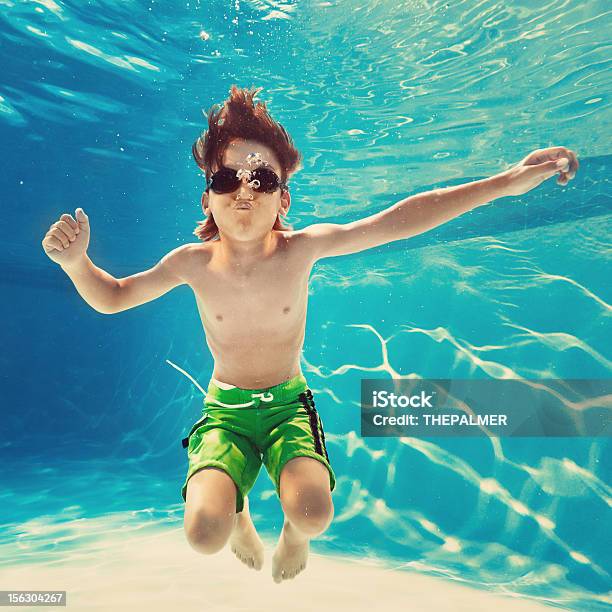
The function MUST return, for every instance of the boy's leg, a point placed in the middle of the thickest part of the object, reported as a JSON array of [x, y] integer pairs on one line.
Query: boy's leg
[[211, 518], [296, 459], [223, 466], [306, 500], [245, 541], [210, 510]]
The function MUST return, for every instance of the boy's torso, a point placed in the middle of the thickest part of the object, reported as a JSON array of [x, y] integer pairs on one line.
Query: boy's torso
[[254, 316]]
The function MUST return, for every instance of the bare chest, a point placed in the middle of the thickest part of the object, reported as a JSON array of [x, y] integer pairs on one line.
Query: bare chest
[[268, 299]]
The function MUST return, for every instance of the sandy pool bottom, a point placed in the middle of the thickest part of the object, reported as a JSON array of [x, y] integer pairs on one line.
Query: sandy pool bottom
[[160, 572]]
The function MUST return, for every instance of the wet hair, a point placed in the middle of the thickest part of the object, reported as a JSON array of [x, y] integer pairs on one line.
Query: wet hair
[[240, 118]]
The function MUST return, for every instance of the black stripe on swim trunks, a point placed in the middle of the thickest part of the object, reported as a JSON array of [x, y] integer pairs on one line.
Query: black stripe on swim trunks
[[185, 441], [320, 424], [313, 419]]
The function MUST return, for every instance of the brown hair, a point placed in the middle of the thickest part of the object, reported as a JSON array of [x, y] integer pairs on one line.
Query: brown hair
[[240, 118]]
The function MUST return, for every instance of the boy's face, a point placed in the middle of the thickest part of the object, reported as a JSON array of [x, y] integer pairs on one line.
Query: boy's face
[[246, 214]]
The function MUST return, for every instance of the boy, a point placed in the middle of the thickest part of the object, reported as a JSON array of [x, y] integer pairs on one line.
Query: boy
[[250, 276]]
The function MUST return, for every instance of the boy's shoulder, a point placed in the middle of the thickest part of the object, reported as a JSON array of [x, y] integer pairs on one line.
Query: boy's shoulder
[[184, 258], [186, 251]]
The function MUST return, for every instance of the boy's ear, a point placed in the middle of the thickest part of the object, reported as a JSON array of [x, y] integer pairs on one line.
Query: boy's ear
[[285, 203], [205, 203]]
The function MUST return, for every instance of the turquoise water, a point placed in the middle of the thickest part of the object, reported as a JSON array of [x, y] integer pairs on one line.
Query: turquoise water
[[99, 107]]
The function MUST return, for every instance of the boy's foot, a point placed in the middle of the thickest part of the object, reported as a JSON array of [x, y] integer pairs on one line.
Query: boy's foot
[[245, 542], [290, 555]]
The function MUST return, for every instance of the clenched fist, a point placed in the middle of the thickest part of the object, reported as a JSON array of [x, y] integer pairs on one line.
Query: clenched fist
[[539, 166], [67, 240]]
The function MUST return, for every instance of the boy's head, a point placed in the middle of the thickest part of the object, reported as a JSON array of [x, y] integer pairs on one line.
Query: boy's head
[[256, 156]]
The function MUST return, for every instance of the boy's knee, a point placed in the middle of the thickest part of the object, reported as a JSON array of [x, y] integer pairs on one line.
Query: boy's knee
[[312, 522], [312, 514], [207, 532]]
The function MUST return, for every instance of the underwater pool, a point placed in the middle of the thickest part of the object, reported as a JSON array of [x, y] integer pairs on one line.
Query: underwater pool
[[99, 106]]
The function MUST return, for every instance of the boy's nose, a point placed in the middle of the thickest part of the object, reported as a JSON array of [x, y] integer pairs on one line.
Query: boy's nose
[[244, 194], [244, 191]]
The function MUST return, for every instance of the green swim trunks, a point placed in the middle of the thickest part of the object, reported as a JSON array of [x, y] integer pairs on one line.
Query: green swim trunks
[[241, 428]]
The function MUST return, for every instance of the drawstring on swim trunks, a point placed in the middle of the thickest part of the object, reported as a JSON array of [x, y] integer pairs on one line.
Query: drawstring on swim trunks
[[264, 397]]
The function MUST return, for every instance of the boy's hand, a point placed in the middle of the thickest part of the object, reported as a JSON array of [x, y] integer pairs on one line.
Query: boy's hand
[[539, 166], [67, 240]]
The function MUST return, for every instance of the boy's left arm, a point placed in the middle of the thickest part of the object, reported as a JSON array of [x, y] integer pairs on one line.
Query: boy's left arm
[[424, 211]]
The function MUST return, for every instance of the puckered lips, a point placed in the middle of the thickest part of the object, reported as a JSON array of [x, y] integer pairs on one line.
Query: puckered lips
[[243, 205]]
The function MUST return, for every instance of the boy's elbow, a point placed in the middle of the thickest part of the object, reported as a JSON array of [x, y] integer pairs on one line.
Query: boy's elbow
[[115, 307], [105, 310], [111, 305]]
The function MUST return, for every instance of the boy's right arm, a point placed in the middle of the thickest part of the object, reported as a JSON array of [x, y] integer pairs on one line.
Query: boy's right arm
[[66, 243], [149, 285]]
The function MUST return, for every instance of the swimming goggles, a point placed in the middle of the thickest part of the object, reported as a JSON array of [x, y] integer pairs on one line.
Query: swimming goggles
[[263, 180]]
